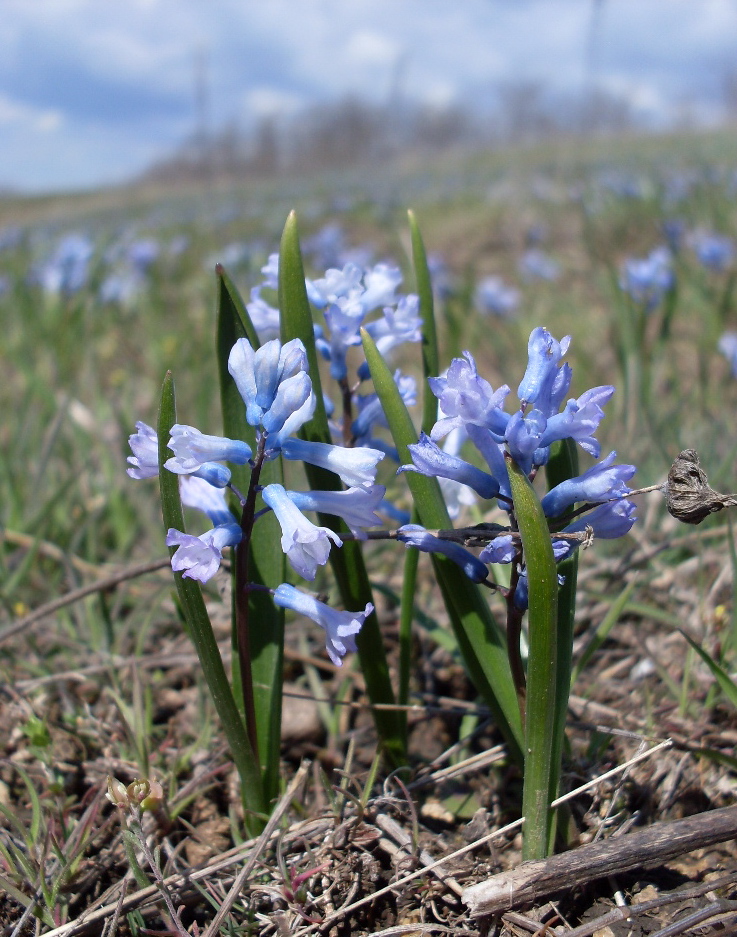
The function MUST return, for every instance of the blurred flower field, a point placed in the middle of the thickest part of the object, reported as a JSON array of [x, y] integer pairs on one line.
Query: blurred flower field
[[630, 248]]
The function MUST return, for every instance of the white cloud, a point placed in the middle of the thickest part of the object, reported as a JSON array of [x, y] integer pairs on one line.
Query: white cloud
[[34, 119]]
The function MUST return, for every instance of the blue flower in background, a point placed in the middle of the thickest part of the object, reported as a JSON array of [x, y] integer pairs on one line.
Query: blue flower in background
[[728, 347], [67, 270], [535, 264], [713, 251], [494, 296], [646, 281]]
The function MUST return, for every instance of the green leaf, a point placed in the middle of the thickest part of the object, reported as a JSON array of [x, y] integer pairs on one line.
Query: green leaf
[[541, 774], [266, 560], [562, 465], [347, 562], [479, 637], [200, 627], [430, 353]]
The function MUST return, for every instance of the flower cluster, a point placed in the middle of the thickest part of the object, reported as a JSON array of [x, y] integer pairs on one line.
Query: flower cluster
[[348, 299], [276, 389], [468, 402]]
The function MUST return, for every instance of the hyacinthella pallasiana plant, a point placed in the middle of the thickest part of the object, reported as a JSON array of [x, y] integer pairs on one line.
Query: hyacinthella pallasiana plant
[[278, 395]]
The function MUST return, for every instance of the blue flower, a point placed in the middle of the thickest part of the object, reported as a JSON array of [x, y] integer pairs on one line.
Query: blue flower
[[199, 557], [537, 265], [192, 449], [608, 521], [145, 459], [356, 506], [259, 374], [306, 545], [714, 251], [340, 628], [494, 296], [356, 467], [502, 549], [199, 494], [412, 535], [601, 482], [429, 459], [647, 281], [543, 356], [465, 398], [145, 447], [728, 347]]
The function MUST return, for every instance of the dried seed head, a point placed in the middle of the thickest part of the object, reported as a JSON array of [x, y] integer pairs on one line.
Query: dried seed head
[[688, 495]]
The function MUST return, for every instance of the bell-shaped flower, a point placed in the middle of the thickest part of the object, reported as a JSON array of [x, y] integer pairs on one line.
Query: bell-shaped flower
[[199, 557], [494, 296], [145, 459], [340, 628], [579, 420], [646, 281], [602, 482], [380, 283], [292, 394], [192, 448], [727, 346], [145, 448], [412, 535], [524, 434], [429, 459], [306, 545], [356, 506], [202, 496], [356, 467], [259, 374], [336, 284], [608, 521], [502, 549], [543, 355], [464, 398]]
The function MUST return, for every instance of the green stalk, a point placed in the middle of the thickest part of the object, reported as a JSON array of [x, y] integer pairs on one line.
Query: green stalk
[[540, 774], [189, 593]]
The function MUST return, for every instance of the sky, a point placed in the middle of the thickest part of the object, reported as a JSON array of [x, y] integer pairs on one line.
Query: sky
[[93, 91]]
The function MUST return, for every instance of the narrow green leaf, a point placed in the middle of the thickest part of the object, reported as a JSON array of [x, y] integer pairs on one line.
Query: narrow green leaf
[[562, 465], [479, 637], [200, 628], [726, 683], [430, 353], [266, 562], [347, 562], [541, 775], [430, 368]]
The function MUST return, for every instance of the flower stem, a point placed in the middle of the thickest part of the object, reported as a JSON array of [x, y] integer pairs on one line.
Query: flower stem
[[242, 610]]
